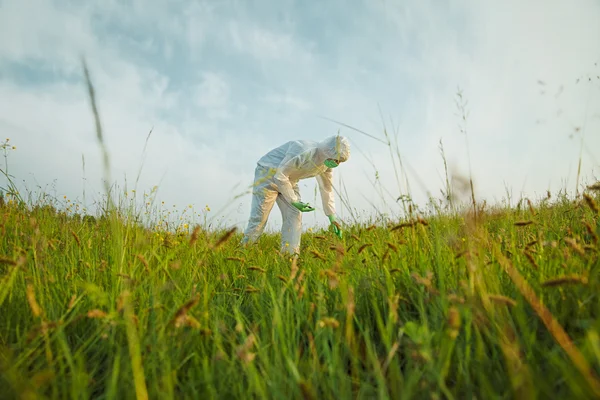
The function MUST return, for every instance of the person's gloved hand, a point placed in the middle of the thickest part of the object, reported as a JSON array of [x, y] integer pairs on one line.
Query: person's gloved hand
[[337, 228], [304, 207]]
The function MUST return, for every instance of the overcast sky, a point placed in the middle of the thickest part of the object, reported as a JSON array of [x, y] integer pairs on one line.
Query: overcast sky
[[222, 82]]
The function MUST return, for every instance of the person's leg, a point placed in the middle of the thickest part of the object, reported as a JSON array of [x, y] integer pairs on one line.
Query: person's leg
[[291, 229], [263, 198]]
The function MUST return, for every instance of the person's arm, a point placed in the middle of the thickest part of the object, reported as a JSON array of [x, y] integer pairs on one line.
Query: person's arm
[[325, 181], [282, 179]]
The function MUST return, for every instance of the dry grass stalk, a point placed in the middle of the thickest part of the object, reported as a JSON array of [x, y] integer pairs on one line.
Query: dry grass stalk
[[355, 237], [194, 236], [454, 298], [594, 187], [591, 203], [393, 304], [390, 356], [531, 259], [33, 304], [71, 302], [239, 259], [339, 249], [282, 278], [96, 314], [550, 322], [453, 322], [76, 238], [566, 279], [425, 281], [329, 323], [318, 255], [332, 278], [498, 298], [385, 256], [591, 231], [531, 209], [143, 261], [224, 238], [575, 246], [294, 268], [392, 246], [180, 317], [243, 351]]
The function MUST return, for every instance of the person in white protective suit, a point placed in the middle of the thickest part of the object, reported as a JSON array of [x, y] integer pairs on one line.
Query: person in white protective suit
[[276, 181]]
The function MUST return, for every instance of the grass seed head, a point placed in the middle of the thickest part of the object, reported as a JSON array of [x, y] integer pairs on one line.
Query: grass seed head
[[523, 223], [564, 280], [497, 298], [591, 231], [143, 261], [328, 322], [364, 246], [225, 238], [76, 238], [594, 187], [591, 203], [575, 246], [531, 259]]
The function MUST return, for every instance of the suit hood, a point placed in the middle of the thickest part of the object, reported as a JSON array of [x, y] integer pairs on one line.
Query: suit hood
[[336, 147]]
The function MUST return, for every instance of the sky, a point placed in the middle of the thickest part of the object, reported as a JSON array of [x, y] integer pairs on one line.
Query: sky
[[220, 83]]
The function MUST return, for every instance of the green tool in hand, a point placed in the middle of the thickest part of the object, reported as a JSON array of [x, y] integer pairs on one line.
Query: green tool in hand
[[304, 207]]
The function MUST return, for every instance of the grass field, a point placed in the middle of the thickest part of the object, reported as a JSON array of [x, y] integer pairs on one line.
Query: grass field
[[504, 305], [486, 303]]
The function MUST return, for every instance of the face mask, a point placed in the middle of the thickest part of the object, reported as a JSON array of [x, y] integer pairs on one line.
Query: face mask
[[330, 163]]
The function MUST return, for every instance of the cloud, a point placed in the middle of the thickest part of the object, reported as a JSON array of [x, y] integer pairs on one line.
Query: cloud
[[222, 83]]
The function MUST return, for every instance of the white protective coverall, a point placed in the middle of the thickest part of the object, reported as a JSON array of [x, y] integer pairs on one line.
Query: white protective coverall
[[276, 180]]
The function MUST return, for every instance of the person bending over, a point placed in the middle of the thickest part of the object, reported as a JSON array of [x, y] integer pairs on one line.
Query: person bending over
[[276, 181]]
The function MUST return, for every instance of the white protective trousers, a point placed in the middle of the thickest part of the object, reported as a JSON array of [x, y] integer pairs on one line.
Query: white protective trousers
[[264, 196], [276, 181]]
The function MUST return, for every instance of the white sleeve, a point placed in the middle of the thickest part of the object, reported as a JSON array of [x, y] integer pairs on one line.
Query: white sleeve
[[282, 180], [325, 181]]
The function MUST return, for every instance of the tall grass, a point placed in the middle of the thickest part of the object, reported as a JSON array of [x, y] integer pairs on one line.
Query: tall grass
[[433, 307]]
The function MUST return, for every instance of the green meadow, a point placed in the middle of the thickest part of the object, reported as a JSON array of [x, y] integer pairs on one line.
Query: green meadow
[[483, 303]]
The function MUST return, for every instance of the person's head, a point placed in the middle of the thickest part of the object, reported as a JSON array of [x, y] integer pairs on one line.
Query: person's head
[[336, 150]]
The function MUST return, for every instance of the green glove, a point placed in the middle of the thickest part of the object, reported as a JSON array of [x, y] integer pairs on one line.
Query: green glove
[[337, 229], [304, 207]]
